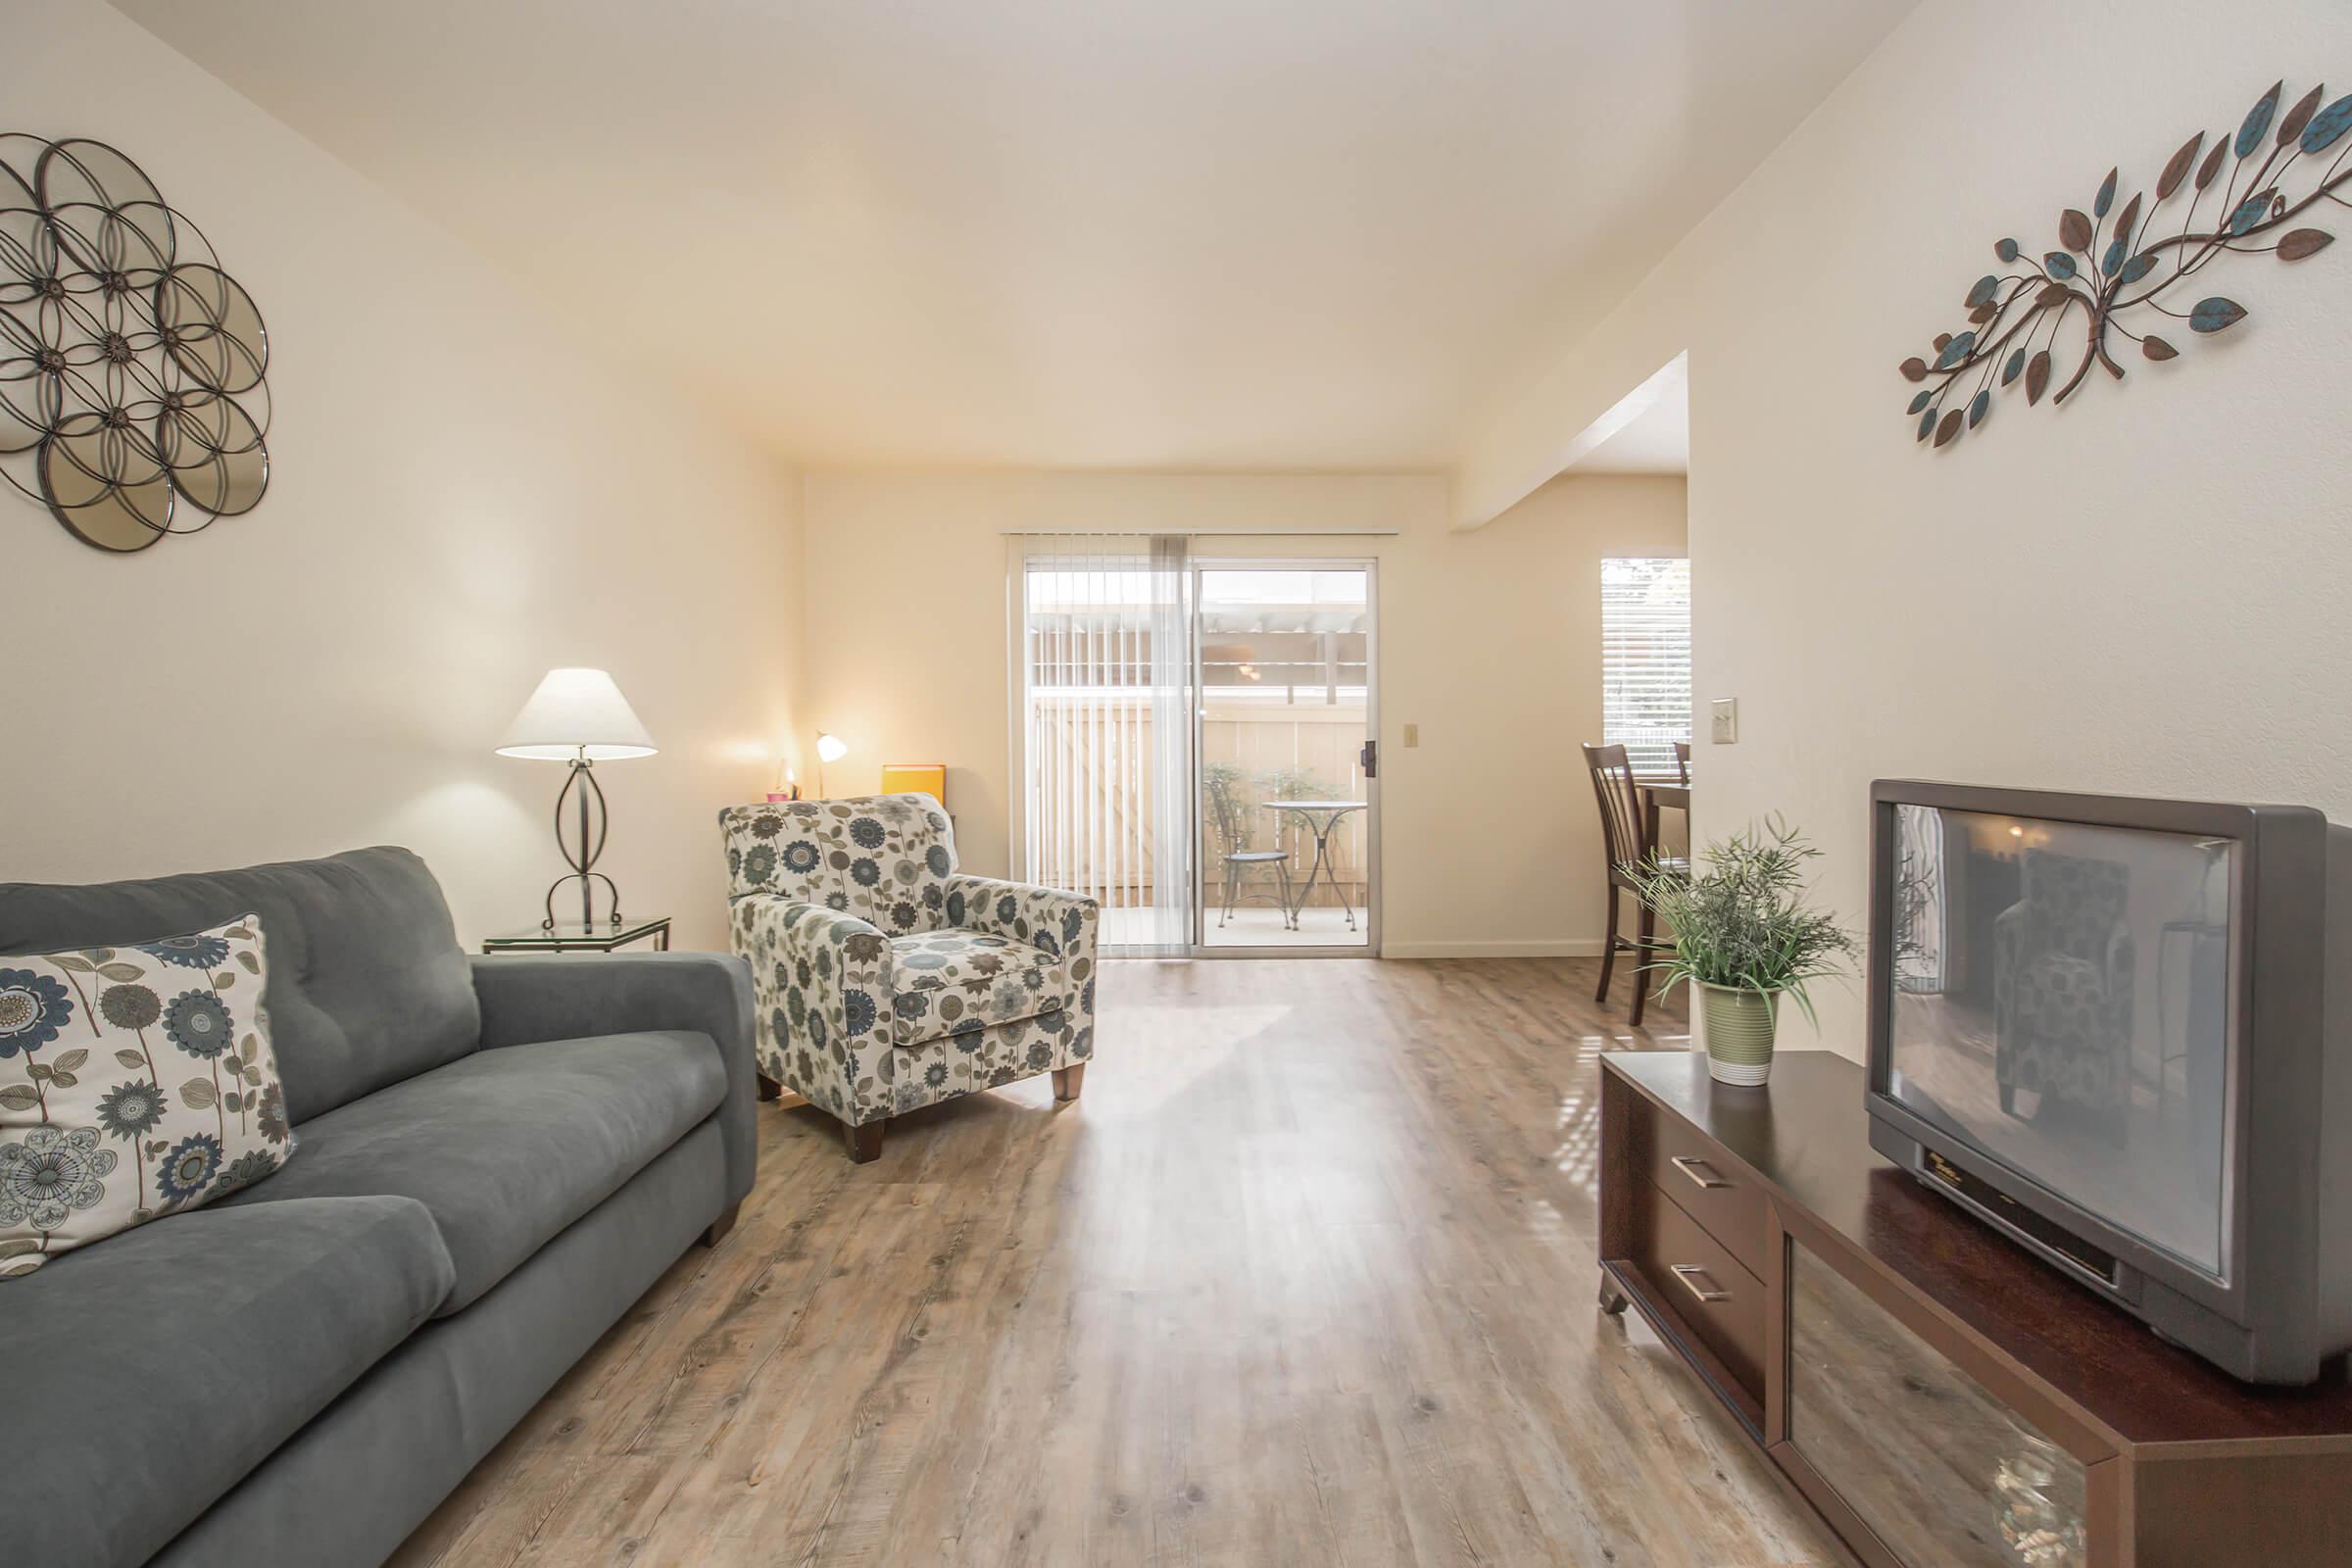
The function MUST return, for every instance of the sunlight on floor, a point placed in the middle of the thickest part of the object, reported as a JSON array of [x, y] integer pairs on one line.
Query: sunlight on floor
[[1249, 926]]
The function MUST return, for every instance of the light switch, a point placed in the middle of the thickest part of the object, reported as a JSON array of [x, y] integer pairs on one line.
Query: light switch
[[1412, 735], [1726, 720]]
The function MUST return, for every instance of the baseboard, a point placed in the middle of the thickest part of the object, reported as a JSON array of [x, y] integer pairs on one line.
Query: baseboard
[[1553, 947]]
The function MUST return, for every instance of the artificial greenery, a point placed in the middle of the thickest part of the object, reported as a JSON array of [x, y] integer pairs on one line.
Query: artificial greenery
[[1742, 921]]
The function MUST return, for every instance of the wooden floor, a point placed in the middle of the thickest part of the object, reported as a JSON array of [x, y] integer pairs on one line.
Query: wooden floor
[[1305, 1278]]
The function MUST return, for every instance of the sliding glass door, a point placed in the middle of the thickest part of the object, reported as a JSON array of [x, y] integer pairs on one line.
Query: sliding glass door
[[1195, 744], [1287, 780], [1103, 733]]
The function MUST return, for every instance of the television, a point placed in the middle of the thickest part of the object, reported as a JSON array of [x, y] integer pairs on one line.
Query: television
[[2116, 1030]]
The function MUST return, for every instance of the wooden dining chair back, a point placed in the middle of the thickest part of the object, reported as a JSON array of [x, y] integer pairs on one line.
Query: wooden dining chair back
[[1681, 760], [1622, 830], [1625, 839]]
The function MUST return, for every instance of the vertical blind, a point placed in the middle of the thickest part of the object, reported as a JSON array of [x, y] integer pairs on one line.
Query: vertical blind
[[1107, 731], [1645, 658]]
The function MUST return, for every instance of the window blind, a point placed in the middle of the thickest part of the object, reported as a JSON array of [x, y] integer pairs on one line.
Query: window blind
[[1645, 658]]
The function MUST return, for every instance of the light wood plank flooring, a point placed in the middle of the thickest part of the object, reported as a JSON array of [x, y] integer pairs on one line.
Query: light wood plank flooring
[[1305, 1278]]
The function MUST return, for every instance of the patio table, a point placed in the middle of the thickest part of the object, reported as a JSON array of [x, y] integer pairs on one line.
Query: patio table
[[1320, 818]]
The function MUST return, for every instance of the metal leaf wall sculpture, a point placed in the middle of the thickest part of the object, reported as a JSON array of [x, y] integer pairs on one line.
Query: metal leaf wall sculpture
[[2108, 272], [130, 365]]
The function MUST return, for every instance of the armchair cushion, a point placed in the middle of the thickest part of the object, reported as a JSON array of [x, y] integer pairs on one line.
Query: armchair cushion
[[885, 859], [955, 982]]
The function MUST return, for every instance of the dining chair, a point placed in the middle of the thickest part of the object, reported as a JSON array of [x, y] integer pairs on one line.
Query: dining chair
[[1681, 760], [1624, 836]]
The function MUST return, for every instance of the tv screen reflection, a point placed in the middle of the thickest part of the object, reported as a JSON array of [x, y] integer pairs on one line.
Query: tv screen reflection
[[2060, 1003]]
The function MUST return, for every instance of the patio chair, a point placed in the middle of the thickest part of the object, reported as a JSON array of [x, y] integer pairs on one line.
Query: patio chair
[[1233, 830]]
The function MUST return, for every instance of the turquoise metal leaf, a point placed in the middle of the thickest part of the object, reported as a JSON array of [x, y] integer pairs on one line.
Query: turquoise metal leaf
[[2098, 209], [1980, 408], [1926, 425], [2139, 267], [2059, 265], [1956, 351], [2250, 211], [2006, 249], [2014, 369], [2215, 314], [2113, 261], [2258, 121], [2328, 125], [1922, 401], [1983, 290]]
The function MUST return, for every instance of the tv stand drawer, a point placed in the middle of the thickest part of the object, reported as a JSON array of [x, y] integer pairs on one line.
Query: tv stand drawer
[[1706, 1184], [1708, 1291]]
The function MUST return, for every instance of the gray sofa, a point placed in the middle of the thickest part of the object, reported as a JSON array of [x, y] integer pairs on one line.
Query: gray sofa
[[495, 1159]]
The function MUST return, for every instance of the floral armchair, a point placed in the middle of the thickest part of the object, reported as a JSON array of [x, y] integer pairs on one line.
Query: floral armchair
[[2063, 966], [887, 979]]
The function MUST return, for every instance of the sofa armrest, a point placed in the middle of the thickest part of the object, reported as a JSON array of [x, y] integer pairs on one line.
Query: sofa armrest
[[825, 989], [1045, 917], [534, 997]]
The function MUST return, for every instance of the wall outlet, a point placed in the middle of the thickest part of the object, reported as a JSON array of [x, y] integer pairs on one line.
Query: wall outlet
[[1725, 721], [1412, 736]]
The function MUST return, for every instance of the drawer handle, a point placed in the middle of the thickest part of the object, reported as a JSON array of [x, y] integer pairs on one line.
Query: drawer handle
[[1700, 1171], [1691, 1274]]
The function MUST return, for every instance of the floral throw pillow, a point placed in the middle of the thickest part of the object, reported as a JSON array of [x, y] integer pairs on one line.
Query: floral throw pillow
[[134, 1082]]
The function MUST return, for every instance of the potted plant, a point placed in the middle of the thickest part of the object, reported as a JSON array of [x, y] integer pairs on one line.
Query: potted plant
[[1745, 937]]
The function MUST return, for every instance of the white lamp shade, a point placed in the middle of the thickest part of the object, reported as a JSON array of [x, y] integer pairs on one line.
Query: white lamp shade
[[576, 712], [831, 747]]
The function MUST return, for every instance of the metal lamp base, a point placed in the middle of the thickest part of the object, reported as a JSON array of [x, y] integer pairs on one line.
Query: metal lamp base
[[581, 787]]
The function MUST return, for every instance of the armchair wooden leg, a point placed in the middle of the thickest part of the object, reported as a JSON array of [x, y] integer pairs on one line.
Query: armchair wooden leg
[[770, 1089], [721, 1225], [864, 1140], [1067, 1081]]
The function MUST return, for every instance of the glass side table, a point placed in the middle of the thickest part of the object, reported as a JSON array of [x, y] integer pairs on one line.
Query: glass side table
[[570, 936]]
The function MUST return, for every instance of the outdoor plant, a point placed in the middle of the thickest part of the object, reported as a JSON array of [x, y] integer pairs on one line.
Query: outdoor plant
[[1742, 923]]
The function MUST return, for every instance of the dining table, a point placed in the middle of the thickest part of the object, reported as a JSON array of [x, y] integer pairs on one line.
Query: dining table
[[1660, 794], [1320, 818]]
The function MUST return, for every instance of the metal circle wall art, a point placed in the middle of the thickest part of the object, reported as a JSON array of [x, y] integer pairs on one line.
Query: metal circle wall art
[[2263, 181], [132, 403]]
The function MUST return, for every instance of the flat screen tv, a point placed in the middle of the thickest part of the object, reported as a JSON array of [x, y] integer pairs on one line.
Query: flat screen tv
[[2117, 1030]]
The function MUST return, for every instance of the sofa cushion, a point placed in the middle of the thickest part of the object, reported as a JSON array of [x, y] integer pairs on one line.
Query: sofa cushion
[[148, 1375], [134, 1082], [509, 1146], [366, 983], [954, 982]]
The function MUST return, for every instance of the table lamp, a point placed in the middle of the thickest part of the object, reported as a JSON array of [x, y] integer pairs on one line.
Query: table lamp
[[829, 748], [579, 716]]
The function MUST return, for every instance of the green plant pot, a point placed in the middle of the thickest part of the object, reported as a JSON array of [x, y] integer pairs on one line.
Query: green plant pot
[[1740, 1032]]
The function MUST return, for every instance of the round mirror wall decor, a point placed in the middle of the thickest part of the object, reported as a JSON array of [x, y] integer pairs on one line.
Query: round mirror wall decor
[[132, 403]]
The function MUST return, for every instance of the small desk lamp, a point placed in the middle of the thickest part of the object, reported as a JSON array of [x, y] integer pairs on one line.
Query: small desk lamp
[[579, 716]]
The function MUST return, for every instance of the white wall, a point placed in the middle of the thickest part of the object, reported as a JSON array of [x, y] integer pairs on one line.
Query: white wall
[[2141, 592], [1489, 642], [464, 493]]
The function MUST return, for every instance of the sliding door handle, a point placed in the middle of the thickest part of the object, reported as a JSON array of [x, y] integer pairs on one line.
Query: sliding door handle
[[1369, 759], [1691, 1275]]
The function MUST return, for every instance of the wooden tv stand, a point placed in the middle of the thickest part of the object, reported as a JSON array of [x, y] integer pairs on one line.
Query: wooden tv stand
[[1936, 1395]]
